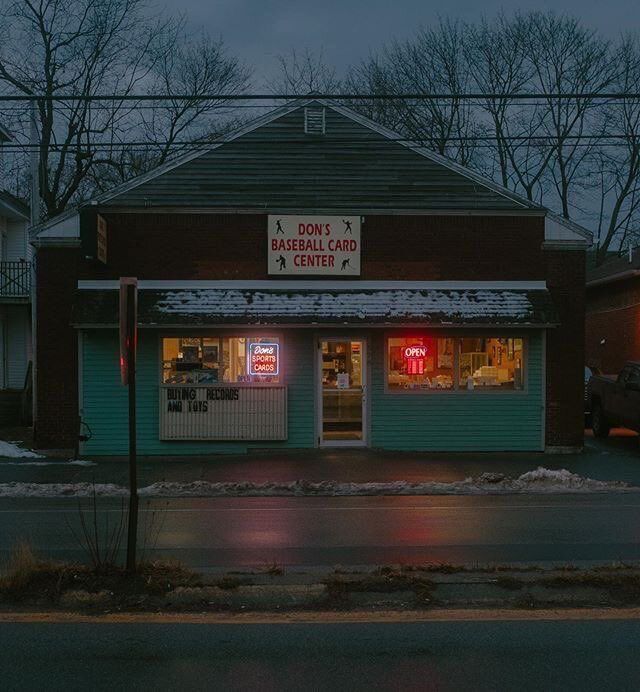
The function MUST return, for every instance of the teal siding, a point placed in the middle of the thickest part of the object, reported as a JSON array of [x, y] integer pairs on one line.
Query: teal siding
[[435, 421], [104, 399], [459, 420]]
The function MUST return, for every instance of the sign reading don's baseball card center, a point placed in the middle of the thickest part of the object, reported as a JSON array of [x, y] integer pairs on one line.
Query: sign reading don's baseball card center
[[322, 245]]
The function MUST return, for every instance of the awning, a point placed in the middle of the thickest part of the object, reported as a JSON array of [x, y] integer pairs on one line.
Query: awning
[[202, 307]]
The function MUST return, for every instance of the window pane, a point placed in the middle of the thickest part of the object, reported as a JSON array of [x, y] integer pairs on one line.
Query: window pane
[[419, 363], [495, 363], [190, 360], [239, 355], [209, 360]]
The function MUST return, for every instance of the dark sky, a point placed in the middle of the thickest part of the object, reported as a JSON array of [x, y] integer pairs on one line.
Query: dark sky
[[347, 30]]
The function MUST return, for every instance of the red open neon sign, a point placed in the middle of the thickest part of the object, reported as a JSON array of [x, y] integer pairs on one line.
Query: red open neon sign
[[415, 351], [415, 355]]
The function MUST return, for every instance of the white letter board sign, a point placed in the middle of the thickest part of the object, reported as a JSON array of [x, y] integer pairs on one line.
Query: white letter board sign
[[320, 245]]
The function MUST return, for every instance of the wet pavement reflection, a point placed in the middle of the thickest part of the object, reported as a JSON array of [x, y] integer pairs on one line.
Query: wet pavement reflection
[[209, 533]]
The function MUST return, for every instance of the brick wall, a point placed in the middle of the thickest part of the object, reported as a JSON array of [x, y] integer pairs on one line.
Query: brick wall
[[565, 277], [613, 314], [234, 246], [56, 424]]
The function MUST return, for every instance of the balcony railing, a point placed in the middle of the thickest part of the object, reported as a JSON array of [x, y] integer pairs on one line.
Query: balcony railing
[[15, 279]]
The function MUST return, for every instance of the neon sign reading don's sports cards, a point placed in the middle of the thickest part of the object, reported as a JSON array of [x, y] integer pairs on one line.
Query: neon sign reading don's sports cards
[[319, 245], [264, 359]]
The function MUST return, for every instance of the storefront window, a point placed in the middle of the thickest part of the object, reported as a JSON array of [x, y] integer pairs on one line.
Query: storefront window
[[209, 360], [493, 363], [419, 363]]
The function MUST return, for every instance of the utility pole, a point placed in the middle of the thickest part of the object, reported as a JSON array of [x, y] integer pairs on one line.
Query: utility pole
[[34, 211], [128, 346]]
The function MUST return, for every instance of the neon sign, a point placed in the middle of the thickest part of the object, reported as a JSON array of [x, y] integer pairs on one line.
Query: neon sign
[[264, 359], [415, 355], [415, 351]]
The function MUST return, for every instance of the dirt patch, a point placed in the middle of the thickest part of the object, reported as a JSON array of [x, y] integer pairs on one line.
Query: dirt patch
[[29, 583], [622, 584]]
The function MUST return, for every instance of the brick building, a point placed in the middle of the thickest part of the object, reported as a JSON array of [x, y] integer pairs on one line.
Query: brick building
[[313, 280], [613, 313]]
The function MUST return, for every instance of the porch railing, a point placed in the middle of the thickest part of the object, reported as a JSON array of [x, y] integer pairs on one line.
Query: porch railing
[[15, 279]]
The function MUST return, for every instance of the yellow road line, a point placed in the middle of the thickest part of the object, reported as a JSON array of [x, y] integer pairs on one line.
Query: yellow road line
[[444, 615]]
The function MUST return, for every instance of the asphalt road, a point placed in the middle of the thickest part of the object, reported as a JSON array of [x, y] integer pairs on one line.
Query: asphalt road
[[530, 655], [214, 533]]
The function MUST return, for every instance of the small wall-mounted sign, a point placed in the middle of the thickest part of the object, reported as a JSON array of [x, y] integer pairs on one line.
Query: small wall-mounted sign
[[101, 239], [320, 245], [264, 359]]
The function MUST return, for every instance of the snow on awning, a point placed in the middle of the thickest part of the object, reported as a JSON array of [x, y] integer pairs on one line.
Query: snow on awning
[[218, 306]]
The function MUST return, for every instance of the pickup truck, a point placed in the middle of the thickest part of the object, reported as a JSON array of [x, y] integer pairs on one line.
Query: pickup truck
[[615, 401]]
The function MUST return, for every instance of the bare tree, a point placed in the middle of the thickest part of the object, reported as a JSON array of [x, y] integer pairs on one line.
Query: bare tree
[[198, 68], [90, 47], [432, 63], [618, 159], [182, 66], [497, 60], [304, 73], [567, 58]]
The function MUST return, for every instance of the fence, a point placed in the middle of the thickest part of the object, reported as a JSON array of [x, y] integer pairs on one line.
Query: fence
[[15, 279]]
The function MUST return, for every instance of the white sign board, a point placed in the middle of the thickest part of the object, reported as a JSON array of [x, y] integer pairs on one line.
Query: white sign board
[[227, 412], [321, 245]]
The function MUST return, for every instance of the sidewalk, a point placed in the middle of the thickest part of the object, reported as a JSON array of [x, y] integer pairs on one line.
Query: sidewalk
[[616, 458]]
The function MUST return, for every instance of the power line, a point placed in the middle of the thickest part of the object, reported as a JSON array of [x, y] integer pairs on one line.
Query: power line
[[248, 106], [459, 96], [538, 139]]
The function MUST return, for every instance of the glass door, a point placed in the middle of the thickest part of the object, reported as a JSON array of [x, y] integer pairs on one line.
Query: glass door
[[342, 386]]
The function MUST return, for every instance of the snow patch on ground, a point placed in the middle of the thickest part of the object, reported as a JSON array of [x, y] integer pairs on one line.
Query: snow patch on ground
[[9, 449], [75, 462], [539, 481], [15, 489]]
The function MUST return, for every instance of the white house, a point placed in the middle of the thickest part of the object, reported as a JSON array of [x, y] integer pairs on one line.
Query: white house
[[15, 302]]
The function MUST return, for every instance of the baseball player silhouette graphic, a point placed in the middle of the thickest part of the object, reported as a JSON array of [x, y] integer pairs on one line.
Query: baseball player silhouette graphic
[[347, 226], [279, 228], [282, 262]]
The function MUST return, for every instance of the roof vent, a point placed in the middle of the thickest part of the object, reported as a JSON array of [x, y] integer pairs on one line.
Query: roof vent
[[314, 122]]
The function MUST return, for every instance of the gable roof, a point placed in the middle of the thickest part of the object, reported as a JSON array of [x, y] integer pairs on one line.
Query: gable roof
[[12, 207], [272, 165]]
